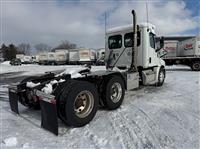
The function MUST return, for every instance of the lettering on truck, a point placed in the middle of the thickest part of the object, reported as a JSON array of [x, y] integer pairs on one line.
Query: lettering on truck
[[188, 46]]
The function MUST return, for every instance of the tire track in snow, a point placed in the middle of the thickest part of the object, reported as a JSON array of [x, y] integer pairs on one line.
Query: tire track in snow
[[98, 142], [123, 133], [164, 140], [137, 130]]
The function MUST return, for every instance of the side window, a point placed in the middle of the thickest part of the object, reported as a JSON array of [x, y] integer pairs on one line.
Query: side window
[[128, 39], [152, 40], [115, 42]]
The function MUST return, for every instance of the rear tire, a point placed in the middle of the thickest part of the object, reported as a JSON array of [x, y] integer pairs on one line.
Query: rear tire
[[195, 66], [113, 94], [78, 103]]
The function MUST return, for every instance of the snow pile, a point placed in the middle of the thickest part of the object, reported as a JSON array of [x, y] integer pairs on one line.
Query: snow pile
[[48, 87], [53, 82], [75, 73], [31, 84], [6, 63], [9, 142], [26, 146], [61, 80]]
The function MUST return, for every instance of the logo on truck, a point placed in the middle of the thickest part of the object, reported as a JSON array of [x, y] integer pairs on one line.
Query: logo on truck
[[170, 48], [188, 46]]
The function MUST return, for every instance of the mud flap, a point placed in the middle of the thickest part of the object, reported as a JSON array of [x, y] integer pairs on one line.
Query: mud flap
[[13, 99], [49, 118]]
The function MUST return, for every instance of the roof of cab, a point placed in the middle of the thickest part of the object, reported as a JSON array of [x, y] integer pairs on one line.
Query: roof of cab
[[128, 27]]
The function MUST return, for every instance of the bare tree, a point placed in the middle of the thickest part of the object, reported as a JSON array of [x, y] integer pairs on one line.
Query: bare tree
[[66, 45], [24, 48], [9, 52], [42, 47]]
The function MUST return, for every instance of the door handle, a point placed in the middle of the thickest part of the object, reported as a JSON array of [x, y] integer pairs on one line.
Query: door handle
[[114, 56]]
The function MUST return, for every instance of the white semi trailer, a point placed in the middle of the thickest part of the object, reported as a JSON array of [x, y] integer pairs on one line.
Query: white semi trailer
[[43, 58], [75, 97], [20, 56], [51, 58], [47, 58], [87, 56], [62, 56], [73, 56], [183, 50]]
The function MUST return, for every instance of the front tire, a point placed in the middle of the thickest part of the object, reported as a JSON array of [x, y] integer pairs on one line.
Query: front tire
[[113, 94], [161, 77], [78, 103]]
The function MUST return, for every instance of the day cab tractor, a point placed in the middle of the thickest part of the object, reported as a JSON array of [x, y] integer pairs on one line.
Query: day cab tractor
[[131, 60]]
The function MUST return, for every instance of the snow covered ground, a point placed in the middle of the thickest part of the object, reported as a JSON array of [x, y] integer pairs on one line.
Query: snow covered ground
[[151, 117]]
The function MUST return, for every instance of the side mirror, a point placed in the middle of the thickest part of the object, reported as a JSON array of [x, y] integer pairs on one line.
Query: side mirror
[[160, 44]]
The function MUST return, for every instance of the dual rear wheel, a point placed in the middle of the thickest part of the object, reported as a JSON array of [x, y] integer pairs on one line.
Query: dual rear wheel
[[79, 100]]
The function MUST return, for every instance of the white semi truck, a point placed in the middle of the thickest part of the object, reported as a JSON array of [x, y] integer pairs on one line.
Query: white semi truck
[[183, 50], [75, 97]]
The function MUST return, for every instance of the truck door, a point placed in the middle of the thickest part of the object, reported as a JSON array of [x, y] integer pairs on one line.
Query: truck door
[[118, 55], [153, 58]]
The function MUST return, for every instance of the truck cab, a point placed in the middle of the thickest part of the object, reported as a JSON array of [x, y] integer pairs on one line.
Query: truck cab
[[119, 47], [120, 38]]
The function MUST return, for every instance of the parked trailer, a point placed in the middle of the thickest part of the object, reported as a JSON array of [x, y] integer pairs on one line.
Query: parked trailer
[[74, 56], [35, 59], [171, 47], [51, 56], [62, 56], [187, 52], [87, 56], [43, 58], [20, 56], [75, 97], [27, 59]]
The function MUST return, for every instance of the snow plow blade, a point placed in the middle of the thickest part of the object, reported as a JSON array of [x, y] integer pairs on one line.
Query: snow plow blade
[[49, 118], [13, 99]]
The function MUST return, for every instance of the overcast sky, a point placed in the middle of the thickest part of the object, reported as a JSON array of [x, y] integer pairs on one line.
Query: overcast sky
[[82, 22]]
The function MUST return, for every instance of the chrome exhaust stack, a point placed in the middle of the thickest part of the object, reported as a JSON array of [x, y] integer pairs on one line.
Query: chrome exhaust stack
[[134, 47]]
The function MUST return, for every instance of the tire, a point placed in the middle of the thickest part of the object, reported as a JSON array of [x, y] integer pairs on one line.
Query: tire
[[60, 101], [196, 66], [113, 94], [75, 109], [26, 99], [161, 77]]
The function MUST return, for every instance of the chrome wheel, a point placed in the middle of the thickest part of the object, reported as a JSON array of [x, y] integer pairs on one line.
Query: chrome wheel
[[83, 104], [161, 76], [116, 92], [196, 66]]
